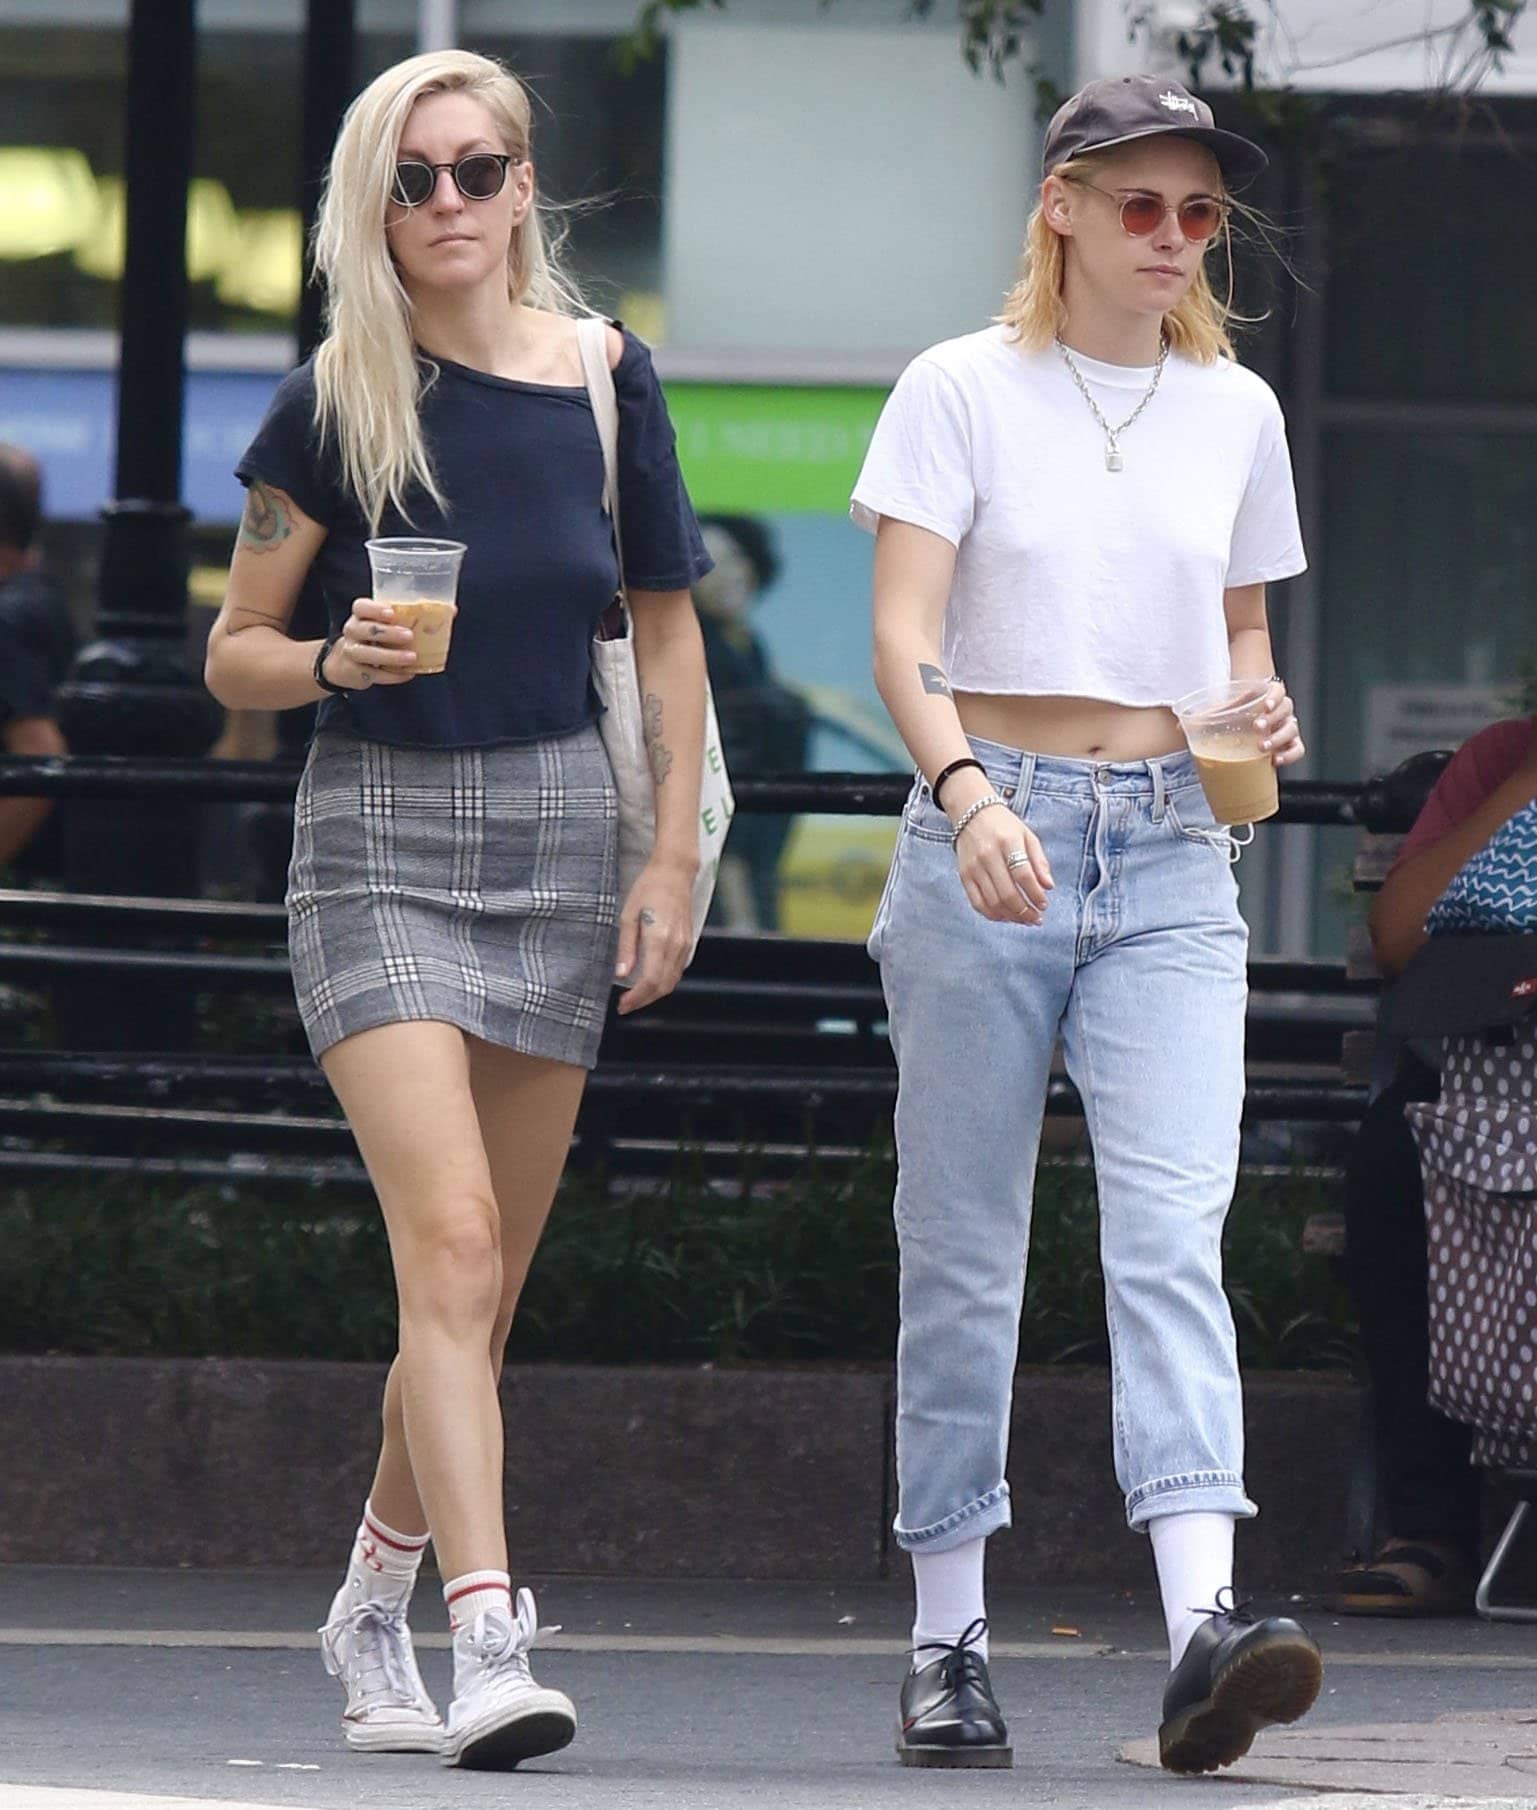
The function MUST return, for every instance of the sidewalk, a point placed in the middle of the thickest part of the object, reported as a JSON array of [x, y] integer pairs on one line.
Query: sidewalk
[[187, 1689], [44, 1604]]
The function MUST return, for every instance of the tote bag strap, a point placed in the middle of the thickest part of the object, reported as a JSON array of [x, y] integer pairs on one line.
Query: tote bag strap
[[592, 338]]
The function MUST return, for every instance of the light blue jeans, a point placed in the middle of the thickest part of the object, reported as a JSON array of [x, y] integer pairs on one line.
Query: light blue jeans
[[1139, 967]]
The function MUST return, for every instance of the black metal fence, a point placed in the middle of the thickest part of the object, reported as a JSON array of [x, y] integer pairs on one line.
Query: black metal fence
[[776, 1043], [1375, 805]]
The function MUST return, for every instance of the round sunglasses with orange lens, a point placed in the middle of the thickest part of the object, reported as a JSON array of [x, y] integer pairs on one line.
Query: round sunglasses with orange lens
[[1142, 213]]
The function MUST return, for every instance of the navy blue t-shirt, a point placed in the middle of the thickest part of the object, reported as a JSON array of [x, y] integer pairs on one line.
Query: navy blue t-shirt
[[36, 646], [521, 468]]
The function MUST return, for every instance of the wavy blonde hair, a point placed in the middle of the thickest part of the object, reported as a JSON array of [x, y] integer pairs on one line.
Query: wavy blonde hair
[[1035, 311], [369, 381]]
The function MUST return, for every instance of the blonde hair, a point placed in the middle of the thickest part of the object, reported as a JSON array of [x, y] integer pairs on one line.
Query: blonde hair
[[369, 381], [1035, 311]]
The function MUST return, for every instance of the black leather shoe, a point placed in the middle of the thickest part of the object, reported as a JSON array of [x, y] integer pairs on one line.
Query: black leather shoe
[[1237, 1676], [950, 1716]]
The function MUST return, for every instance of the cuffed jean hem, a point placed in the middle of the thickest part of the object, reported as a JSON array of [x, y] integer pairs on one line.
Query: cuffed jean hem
[[1196, 1492], [973, 1522]]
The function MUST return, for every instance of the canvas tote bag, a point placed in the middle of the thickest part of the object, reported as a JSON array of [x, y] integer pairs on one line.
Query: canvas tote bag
[[618, 684]]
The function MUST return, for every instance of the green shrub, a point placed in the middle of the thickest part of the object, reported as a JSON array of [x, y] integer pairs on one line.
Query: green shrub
[[686, 1272]]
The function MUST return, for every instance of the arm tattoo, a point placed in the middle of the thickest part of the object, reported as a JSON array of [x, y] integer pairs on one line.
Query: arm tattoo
[[265, 523], [660, 754], [242, 616], [934, 680]]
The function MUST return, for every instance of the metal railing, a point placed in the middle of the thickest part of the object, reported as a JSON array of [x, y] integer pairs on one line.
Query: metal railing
[[816, 1028], [1369, 806]]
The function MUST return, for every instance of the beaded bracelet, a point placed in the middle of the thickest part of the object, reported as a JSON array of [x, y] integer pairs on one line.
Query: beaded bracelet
[[973, 809]]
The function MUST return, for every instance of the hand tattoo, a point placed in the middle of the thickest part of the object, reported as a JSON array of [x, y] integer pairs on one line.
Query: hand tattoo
[[647, 916], [657, 751], [934, 681], [264, 523]]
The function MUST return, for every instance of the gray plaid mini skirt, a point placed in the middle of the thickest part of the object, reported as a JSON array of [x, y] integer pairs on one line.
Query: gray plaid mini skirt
[[472, 885]]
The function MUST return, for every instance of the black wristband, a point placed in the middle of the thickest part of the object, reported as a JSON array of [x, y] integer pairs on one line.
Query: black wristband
[[954, 767], [321, 680]]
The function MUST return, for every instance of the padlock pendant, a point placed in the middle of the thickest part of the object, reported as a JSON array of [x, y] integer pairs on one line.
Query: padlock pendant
[[1113, 459]]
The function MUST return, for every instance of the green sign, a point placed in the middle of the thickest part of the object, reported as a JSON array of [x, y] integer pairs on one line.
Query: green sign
[[752, 449]]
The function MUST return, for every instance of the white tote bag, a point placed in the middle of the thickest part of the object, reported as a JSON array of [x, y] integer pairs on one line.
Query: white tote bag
[[618, 684]]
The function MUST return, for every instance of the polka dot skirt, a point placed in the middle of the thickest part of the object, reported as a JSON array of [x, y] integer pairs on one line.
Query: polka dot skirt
[[1478, 1150]]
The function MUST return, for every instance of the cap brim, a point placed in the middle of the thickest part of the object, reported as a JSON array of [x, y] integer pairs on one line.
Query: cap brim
[[1239, 159]]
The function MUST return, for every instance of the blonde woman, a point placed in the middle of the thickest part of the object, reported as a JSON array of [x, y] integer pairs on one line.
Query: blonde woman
[[454, 924], [1077, 512]]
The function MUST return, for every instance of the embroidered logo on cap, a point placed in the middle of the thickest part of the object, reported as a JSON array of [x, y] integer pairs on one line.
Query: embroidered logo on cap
[[1525, 989], [1179, 103]]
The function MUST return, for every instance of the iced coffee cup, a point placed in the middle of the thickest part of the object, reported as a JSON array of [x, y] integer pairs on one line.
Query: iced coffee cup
[[1237, 775], [419, 580]]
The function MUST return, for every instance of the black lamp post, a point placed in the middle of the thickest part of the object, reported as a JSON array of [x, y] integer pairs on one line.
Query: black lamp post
[[329, 39], [130, 691]]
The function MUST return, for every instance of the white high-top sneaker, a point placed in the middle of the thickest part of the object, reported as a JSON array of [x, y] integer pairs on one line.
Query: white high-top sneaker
[[499, 1715], [368, 1646]]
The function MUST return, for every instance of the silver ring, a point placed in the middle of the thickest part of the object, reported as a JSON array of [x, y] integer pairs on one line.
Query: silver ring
[[1018, 859]]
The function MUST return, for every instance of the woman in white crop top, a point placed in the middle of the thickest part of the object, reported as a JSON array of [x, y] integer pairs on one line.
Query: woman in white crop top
[[1077, 511]]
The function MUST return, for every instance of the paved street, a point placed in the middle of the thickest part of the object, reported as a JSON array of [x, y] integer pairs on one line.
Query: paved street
[[191, 1689]]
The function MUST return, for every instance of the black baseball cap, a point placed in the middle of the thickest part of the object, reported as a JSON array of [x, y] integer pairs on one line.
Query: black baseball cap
[[1122, 109]]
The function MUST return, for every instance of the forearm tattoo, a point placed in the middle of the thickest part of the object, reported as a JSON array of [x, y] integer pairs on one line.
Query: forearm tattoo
[[657, 751], [265, 522], [934, 680], [242, 616]]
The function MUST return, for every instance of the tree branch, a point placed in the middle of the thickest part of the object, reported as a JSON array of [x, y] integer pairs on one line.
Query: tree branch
[[996, 34]]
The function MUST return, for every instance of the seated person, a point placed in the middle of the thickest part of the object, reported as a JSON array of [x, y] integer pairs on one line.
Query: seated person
[[36, 646], [765, 725], [1427, 1561]]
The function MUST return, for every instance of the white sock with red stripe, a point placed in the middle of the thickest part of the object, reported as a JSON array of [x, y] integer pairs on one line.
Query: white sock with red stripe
[[470, 1596], [384, 1562]]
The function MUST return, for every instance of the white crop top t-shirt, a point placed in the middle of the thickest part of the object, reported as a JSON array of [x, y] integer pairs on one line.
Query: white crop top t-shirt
[[1070, 579]]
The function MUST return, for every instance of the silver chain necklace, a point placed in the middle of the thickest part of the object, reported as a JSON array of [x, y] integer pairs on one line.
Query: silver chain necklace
[[1113, 458]]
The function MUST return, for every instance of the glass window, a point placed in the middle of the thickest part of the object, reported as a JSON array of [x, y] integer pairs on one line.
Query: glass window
[[1460, 328], [1422, 459], [1430, 545], [61, 136], [599, 136]]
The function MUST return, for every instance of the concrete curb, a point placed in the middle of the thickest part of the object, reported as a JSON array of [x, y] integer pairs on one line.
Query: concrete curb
[[643, 1472]]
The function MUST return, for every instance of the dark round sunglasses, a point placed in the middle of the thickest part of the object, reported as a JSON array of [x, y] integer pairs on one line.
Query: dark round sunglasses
[[479, 177], [1142, 214]]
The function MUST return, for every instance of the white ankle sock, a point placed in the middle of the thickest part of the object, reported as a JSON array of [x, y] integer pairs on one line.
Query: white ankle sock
[[474, 1593], [1194, 1555], [950, 1599], [384, 1562]]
